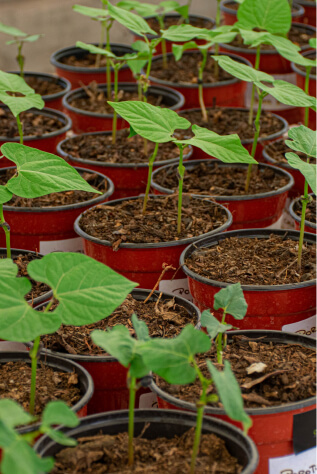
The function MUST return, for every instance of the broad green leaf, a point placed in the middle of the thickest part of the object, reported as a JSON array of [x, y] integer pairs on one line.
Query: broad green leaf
[[96, 50], [8, 268], [153, 123], [88, 291], [230, 394], [226, 148], [242, 71], [130, 20], [214, 327], [5, 194], [10, 30], [7, 435], [288, 94], [141, 329], [140, 46], [20, 458], [232, 301], [178, 49], [58, 413], [172, 359], [14, 83], [12, 414], [40, 173], [302, 139], [128, 4], [21, 104], [270, 15], [184, 32], [137, 66], [308, 170], [95, 13]]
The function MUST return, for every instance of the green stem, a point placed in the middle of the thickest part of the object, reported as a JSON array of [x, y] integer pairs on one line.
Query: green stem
[[201, 86], [256, 66], [108, 62], [219, 341], [20, 59], [116, 68], [19, 124], [305, 200], [199, 423], [101, 40], [308, 69], [255, 139], [218, 14], [181, 172], [149, 177], [6, 228], [132, 392]]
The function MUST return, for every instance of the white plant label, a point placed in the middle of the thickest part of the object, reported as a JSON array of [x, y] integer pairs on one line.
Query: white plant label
[[66, 245], [148, 400], [302, 463], [176, 287], [307, 327]]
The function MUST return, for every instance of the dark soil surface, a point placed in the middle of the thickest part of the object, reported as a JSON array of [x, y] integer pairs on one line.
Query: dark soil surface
[[33, 124], [126, 223], [185, 71], [270, 261], [104, 453], [126, 150], [96, 99], [163, 319], [57, 199], [52, 384], [209, 178], [42, 86], [287, 375], [38, 289], [170, 21], [313, 71], [226, 121], [310, 214]]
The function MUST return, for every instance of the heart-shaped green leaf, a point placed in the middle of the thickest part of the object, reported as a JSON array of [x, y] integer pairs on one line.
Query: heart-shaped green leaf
[[268, 15], [58, 413], [308, 170], [8, 268], [12, 414], [14, 83], [141, 329], [303, 139], [288, 94], [242, 71], [232, 301], [213, 326], [5, 194], [21, 458], [130, 20], [94, 13]]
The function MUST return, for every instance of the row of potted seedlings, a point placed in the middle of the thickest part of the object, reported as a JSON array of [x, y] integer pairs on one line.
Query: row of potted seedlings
[[164, 241]]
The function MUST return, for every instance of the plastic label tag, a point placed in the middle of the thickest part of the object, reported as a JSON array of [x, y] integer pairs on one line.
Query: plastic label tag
[[66, 245], [307, 327], [148, 400], [176, 288], [303, 463]]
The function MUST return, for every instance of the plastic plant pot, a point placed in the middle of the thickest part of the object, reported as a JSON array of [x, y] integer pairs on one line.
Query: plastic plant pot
[[86, 121], [162, 423], [248, 211], [47, 142], [49, 229], [199, 154], [129, 178], [230, 92], [269, 306], [142, 263], [272, 429], [110, 377], [78, 75], [52, 101], [309, 226], [229, 14], [193, 19], [310, 12]]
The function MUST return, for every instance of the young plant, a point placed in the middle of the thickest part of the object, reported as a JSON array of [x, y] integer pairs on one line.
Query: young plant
[[19, 39], [38, 173], [17, 453], [87, 291], [303, 140], [158, 125], [11, 84]]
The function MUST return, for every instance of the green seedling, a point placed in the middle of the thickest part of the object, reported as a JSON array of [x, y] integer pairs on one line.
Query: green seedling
[[158, 125], [265, 84], [10, 85], [87, 291], [303, 140], [38, 173], [19, 39], [17, 453]]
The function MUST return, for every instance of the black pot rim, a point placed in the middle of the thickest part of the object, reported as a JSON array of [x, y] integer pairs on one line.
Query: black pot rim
[[306, 3], [224, 8], [108, 358], [145, 246], [228, 82], [251, 233], [247, 141], [46, 111], [250, 411], [271, 160], [70, 50], [220, 428], [105, 164], [62, 81], [67, 207], [179, 98], [296, 217], [249, 197], [296, 69]]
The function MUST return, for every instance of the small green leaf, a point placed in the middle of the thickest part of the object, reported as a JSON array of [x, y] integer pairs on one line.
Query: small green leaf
[[58, 413], [14, 83], [59, 437], [141, 329], [242, 71], [21, 458], [230, 394], [268, 15], [128, 4], [308, 170], [288, 94], [12, 414], [214, 327], [95, 49], [231, 300], [183, 11], [184, 32], [178, 49], [313, 42], [8, 268], [303, 140], [32, 38], [95, 13], [5, 194], [10, 30], [21, 104], [130, 20], [7, 435], [140, 46]]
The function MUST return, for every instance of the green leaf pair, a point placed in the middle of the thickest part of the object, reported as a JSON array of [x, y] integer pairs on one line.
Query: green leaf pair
[[12, 83]]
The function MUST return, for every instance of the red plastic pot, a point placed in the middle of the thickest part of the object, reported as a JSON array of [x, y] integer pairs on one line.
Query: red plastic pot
[[109, 376], [129, 178], [310, 12], [230, 92], [309, 226], [49, 229], [152, 424], [249, 211], [85, 121], [47, 142], [272, 429], [141, 263], [192, 20], [85, 75], [199, 154], [229, 15], [269, 306]]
